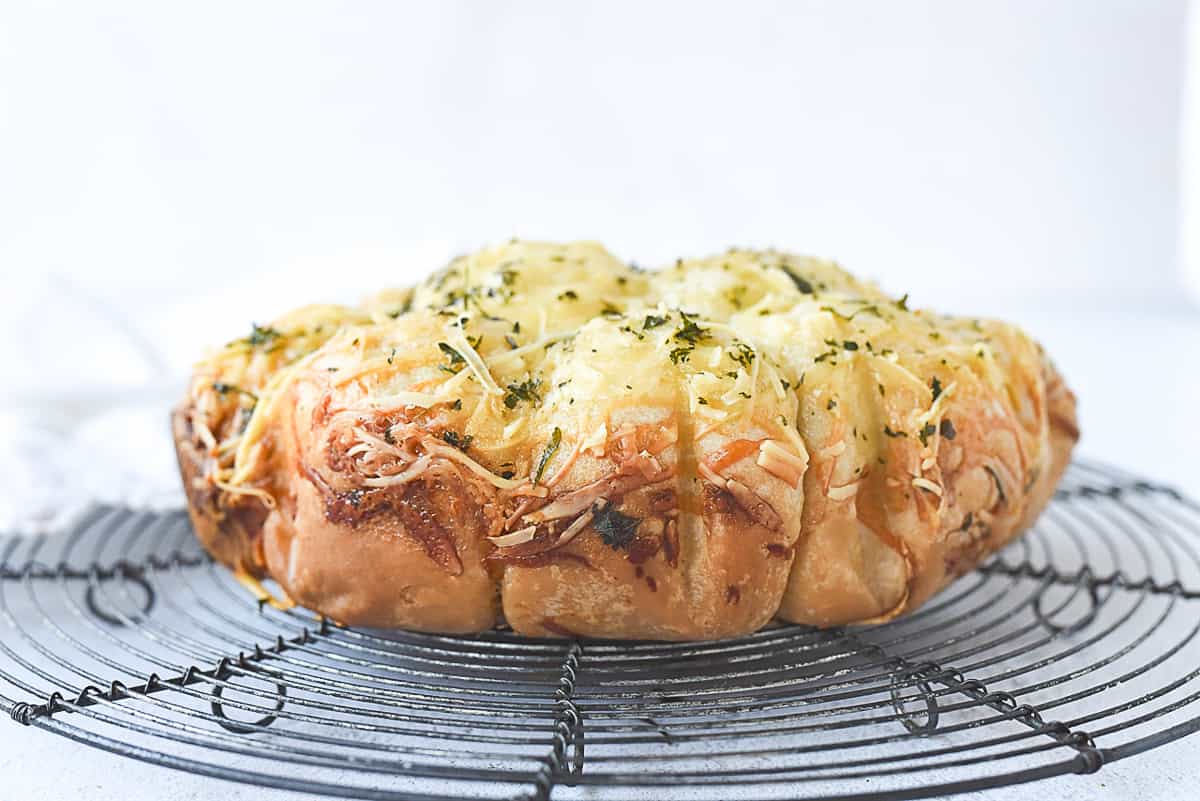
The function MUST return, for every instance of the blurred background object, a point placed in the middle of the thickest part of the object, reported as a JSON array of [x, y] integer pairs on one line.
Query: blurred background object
[[169, 174]]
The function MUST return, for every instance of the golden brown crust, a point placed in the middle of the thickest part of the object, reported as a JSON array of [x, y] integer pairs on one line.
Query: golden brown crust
[[404, 556], [669, 483], [887, 549], [704, 562]]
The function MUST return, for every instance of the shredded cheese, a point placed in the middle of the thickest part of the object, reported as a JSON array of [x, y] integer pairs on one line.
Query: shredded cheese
[[512, 429], [205, 433], [241, 489], [475, 467], [412, 472], [830, 451], [268, 399], [843, 493], [937, 408], [709, 474], [567, 464], [926, 484], [781, 463], [406, 398], [476, 363], [255, 587], [579, 524], [595, 442], [519, 537]]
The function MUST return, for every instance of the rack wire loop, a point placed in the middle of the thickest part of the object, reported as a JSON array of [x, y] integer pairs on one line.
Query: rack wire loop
[[252, 727], [908, 719], [134, 576]]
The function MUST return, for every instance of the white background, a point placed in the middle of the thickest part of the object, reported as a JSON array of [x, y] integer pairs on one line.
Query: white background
[[168, 174], [947, 148]]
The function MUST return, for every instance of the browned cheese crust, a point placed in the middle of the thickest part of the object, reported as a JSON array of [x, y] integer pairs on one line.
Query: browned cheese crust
[[542, 435]]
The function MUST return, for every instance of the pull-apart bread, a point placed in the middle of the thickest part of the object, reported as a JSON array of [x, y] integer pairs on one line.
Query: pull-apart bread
[[543, 434]]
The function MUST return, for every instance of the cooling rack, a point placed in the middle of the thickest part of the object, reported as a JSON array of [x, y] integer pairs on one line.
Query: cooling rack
[[1075, 647]]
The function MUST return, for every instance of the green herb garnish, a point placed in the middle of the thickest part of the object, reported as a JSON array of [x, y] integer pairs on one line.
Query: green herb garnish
[[743, 354], [456, 363], [803, 284], [456, 440], [680, 355], [547, 454], [260, 335], [222, 388], [928, 431], [616, 529], [690, 332], [871, 309], [527, 390], [829, 354]]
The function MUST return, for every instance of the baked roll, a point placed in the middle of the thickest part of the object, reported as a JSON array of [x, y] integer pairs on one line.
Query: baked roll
[[543, 434]]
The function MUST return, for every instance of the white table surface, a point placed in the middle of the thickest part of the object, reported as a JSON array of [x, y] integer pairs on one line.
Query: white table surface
[[1135, 365]]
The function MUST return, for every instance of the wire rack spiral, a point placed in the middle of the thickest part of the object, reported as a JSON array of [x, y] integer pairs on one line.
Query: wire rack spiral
[[1075, 647]]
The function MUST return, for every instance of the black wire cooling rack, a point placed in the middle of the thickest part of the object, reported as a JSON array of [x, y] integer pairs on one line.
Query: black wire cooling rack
[[1075, 647]]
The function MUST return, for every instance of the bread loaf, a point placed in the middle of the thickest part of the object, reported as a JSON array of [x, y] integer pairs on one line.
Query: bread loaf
[[544, 434]]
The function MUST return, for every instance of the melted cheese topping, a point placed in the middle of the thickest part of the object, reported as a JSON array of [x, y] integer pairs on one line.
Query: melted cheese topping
[[508, 344]]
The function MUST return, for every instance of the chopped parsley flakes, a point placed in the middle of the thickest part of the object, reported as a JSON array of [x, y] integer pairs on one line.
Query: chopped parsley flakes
[[547, 454], [690, 332], [743, 354], [528, 390], [616, 529], [456, 440], [259, 335], [456, 363], [680, 355], [928, 431], [222, 388], [803, 284]]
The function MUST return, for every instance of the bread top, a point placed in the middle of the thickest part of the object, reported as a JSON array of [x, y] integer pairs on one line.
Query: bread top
[[524, 356]]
